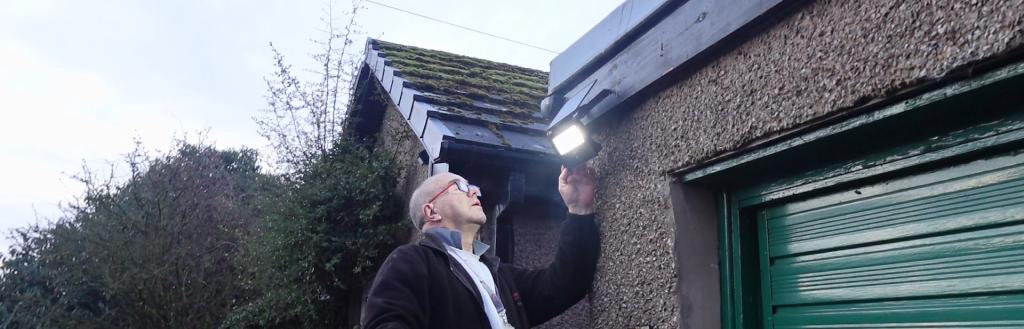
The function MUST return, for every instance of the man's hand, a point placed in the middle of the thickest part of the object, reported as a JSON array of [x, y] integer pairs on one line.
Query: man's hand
[[577, 187]]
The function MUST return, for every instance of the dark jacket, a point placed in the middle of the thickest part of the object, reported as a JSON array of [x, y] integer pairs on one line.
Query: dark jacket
[[421, 286]]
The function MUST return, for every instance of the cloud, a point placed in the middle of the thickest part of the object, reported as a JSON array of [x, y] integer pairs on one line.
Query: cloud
[[56, 117]]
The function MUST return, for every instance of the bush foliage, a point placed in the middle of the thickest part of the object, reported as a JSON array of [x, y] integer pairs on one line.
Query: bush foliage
[[200, 238], [157, 251], [323, 241]]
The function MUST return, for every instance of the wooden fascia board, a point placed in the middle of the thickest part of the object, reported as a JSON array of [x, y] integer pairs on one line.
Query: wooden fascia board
[[495, 154], [464, 119], [675, 40], [605, 39]]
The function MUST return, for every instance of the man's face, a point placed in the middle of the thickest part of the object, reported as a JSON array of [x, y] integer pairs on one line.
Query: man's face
[[457, 206]]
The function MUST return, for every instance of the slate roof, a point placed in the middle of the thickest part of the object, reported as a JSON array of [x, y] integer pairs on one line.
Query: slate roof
[[453, 100]]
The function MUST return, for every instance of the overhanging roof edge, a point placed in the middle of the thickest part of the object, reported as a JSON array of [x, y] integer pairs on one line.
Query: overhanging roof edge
[[666, 41], [603, 40], [381, 70]]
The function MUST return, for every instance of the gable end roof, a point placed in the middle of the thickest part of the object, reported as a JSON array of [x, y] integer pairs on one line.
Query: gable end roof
[[452, 100]]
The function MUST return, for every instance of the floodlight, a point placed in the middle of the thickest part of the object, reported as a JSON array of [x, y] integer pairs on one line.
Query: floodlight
[[572, 143], [568, 139], [568, 133]]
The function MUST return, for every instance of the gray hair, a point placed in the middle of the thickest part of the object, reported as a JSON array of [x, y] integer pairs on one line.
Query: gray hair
[[427, 189]]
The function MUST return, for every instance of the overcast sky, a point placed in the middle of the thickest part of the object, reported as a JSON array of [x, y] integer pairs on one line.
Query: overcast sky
[[79, 80]]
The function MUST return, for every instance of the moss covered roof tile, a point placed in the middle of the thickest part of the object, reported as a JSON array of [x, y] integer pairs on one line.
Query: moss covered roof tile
[[470, 84]]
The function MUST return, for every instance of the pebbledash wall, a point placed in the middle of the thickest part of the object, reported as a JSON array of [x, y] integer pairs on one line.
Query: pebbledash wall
[[536, 232], [397, 139], [813, 64]]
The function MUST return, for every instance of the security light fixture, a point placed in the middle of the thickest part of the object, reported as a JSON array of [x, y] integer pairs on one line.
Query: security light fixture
[[569, 134], [569, 138], [573, 144]]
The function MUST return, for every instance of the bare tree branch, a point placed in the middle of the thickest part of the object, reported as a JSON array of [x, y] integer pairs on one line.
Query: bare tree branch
[[303, 118]]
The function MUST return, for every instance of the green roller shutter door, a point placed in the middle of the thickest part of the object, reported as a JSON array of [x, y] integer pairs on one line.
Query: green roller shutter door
[[942, 249]]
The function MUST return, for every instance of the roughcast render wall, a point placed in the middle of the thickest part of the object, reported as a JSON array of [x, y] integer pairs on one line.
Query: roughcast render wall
[[536, 240], [397, 138], [829, 56]]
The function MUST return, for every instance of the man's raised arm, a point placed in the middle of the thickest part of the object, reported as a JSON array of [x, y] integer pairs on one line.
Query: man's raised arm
[[550, 291]]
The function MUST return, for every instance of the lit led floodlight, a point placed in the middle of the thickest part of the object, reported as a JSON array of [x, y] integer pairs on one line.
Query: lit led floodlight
[[569, 139], [569, 134], [572, 143]]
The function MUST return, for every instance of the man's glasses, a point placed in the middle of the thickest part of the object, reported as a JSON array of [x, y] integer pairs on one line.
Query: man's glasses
[[462, 185]]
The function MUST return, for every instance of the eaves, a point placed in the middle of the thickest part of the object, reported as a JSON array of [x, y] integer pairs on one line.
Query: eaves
[[449, 133], [644, 45]]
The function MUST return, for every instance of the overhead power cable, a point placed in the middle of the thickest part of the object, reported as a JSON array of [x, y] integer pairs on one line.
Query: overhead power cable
[[462, 27]]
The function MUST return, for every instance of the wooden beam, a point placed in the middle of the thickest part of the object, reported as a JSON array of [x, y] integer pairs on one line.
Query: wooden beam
[[605, 39], [671, 43]]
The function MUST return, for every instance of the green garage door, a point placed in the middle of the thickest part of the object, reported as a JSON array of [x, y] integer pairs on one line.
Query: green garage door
[[941, 249]]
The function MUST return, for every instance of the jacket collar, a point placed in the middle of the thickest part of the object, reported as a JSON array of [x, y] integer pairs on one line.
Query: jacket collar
[[439, 237]]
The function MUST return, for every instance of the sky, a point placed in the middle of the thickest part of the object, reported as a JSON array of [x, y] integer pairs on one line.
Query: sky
[[80, 81]]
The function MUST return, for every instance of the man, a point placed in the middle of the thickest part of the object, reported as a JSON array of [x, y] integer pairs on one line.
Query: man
[[445, 281]]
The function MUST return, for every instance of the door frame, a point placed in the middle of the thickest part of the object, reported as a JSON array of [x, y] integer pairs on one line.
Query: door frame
[[933, 130]]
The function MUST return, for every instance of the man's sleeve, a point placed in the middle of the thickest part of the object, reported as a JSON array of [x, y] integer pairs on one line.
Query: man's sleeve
[[548, 292], [398, 296]]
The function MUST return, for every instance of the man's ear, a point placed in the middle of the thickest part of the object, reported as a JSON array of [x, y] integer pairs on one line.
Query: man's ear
[[430, 214]]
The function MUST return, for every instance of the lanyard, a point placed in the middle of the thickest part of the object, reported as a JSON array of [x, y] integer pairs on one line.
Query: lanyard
[[494, 296], [495, 299]]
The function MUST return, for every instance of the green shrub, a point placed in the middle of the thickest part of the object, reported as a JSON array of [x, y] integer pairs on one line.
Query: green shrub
[[156, 251], [323, 241]]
